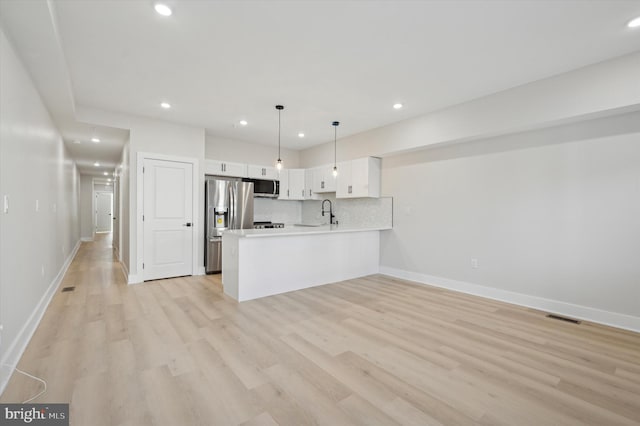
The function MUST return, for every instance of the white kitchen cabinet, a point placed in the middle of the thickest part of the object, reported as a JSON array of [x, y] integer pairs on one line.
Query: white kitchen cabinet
[[296, 184], [284, 184], [292, 184], [262, 172], [323, 179], [225, 168], [309, 193], [359, 178]]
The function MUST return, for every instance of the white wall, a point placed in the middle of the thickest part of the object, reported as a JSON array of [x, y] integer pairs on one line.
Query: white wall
[[116, 214], [551, 214], [124, 172], [102, 187], [35, 246], [217, 148], [86, 207]]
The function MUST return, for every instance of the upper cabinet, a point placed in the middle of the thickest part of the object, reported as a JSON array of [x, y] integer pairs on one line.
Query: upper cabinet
[[323, 179], [296, 184], [292, 184], [309, 193], [356, 178], [262, 172], [359, 178], [224, 168]]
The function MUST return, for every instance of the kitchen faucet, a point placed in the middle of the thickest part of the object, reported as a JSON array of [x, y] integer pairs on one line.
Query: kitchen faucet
[[331, 215]]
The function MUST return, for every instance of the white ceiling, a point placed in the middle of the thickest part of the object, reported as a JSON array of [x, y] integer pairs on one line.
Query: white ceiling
[[218, 62]]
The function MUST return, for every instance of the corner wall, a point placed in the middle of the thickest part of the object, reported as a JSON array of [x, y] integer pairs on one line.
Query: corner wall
[[150, 136], [36, 243], [551, 217]]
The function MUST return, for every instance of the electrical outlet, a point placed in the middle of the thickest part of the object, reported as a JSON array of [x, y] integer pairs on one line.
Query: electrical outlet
[[474, 263]]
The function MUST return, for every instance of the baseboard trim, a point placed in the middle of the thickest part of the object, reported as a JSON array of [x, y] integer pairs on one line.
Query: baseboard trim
[[200, 271], [134, 279], [19, 344], [613, 319], [86, 239]]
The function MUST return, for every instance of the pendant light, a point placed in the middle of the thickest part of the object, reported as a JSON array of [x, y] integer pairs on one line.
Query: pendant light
[[335, 138], [279, 162]]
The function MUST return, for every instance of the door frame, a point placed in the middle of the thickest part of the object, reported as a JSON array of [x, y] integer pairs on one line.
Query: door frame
[[97, 181], [138, 277], [95, 213]]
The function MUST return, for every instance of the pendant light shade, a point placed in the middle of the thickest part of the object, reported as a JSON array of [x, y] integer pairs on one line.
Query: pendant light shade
[[279, 162], [335, 125]]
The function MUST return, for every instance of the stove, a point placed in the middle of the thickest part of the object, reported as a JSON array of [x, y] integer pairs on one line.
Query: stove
[[267, 225]]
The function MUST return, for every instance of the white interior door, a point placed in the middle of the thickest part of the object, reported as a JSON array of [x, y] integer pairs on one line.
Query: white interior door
[[104, 213], [168, 219]]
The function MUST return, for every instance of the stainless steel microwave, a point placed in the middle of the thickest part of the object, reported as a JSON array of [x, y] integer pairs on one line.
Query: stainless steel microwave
[[265, 188]]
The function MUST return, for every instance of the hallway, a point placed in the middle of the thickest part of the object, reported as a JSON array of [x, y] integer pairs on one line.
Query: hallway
[[94, 341], [367, 351]]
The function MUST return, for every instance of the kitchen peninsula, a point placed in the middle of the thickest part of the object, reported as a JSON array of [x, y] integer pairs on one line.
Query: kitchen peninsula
[[263, 262]]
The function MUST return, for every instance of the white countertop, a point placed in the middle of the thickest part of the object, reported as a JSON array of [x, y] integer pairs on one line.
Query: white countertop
[[290, 230]]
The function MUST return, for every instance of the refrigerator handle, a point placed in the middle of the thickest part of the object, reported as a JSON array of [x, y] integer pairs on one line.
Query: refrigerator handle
[[232, 207]]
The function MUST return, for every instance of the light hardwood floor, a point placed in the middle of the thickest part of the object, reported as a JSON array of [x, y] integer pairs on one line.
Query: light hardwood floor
[[368, 351]]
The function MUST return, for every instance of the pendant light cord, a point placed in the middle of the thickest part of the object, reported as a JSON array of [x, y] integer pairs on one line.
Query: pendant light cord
[[279, 162], [335, 125], [335, 137]]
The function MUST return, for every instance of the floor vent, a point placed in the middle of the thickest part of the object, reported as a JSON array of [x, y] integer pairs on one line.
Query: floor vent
[[560, 318], [68, 289]]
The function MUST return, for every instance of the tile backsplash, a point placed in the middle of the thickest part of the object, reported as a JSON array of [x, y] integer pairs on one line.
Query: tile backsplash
[[374, 212], [269, 209]]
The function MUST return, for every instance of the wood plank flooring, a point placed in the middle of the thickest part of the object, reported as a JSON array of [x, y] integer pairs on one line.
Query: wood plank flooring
[[370, 351]]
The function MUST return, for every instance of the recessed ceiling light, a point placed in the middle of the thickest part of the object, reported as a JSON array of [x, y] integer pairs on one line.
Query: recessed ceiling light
[[95, 140], [397, 106], [163, 9], [96, 164], [301, 135], [108, 180], [165, 105], [106, 174], [243, 122], [634, 23]]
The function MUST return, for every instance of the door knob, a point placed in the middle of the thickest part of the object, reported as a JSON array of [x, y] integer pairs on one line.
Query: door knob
[[187, 224]]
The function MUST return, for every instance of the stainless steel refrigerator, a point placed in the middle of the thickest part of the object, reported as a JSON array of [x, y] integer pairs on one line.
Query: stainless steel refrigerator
[[229, 204]]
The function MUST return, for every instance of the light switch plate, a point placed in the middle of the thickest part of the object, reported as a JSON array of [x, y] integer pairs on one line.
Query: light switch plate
[[5, 203]]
